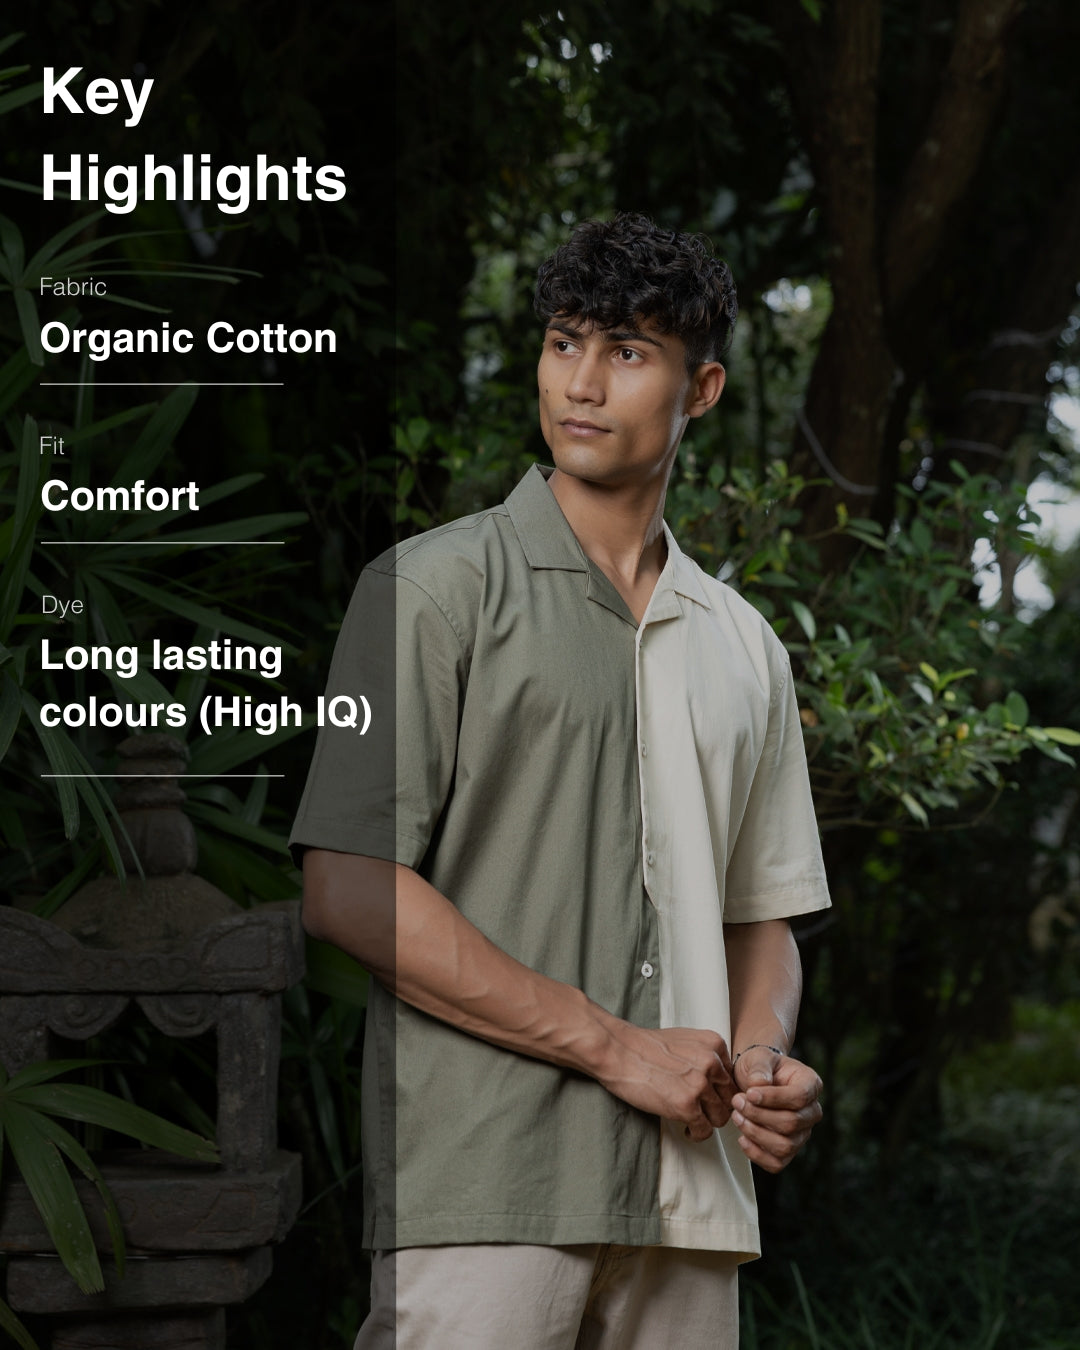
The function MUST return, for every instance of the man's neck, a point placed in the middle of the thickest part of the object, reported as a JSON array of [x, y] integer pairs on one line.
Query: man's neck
[[621, 530]]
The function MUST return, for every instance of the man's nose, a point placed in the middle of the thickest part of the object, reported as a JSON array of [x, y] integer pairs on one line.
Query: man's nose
[[586, 383]]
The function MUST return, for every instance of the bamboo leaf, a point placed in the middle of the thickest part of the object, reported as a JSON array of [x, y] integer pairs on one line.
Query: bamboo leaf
[[92, 1105], [238, 827], [119, 419], [237, 869], [10, 41], [70, 1147], [10, 711], [326, 1114], [16, 376], [8, 1321], [156, 438], [11, 243], [32, 470], [225, 752], [56, 242], [45, 1069], [26, 309], [173, 603], [53, 1192], [52, 743]]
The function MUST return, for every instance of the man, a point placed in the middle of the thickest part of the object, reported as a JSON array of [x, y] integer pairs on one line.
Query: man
[[567, 850]]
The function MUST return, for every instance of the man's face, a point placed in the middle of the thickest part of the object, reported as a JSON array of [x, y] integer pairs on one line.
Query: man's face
[[614, 402]]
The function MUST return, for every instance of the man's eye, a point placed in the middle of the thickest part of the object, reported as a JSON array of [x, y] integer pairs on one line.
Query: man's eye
[[561, 345], [628, 354]]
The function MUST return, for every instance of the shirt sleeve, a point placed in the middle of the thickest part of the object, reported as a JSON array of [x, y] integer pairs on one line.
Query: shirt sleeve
[[776, 869], [381, 793]]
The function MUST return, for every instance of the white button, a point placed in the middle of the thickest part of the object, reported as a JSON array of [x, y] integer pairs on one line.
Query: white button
[[644, 749], [647, 970], [650, 858]]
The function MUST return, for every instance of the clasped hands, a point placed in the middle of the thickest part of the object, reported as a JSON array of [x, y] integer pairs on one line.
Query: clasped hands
[[686, 1075]]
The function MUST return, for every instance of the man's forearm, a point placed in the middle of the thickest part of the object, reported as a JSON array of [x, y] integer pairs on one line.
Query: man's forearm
[[765, 984], [777, 1105], [414, 941], [417, 944]]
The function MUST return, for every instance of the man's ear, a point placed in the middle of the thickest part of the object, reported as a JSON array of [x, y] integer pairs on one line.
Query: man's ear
[[706, 386]]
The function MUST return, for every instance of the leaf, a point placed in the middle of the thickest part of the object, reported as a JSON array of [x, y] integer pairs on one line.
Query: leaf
[[45, 1069], [236, 825], [326, 1115], [26, 308], [17, 98], [57, 241], [1016, 709], [1063, 735], [229, 749], [915, 808], [53, 1192], [52, 742], [172, 603], [10, 711], [27, 513], [805, 618], [11, 1324], [76, 1102], [71, 1148], [156, 437]]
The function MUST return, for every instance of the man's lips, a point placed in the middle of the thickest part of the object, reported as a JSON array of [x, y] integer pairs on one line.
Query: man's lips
[[580, 426]]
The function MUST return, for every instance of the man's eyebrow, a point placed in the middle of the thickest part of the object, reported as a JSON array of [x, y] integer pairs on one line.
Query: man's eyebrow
[[631, 335], [612, 335]]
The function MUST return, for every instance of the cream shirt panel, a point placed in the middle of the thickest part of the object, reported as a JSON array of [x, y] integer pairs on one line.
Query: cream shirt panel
[[726, 807]]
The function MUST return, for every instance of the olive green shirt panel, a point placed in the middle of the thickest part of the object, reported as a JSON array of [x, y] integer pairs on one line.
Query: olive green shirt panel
[[514, 790], [380, 793]]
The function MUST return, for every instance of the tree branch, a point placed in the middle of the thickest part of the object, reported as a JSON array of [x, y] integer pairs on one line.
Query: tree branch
[[942, 168]]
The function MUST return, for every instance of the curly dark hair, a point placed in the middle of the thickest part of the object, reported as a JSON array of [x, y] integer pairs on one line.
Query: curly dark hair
[[616, 272]]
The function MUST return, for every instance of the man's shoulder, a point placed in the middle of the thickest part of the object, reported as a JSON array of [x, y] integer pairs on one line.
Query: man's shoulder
[[448, 567], [732, 608], [458, 543]]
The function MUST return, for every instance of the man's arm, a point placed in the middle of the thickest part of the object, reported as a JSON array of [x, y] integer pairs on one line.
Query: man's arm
[[777, 1104], [414, 941]]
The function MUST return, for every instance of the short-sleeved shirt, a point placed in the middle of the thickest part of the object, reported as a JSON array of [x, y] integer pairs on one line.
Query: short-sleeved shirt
[[598, 797]]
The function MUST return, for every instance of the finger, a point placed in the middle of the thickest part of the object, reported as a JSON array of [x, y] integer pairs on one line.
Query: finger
[[783, 1096], [717, 1108], [778, 1120], [769, 1161], [768, 1148], [699, 1129], [719, 1069]]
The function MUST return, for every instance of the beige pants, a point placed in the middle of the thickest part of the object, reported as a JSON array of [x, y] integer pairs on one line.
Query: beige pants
[[518, 1297]]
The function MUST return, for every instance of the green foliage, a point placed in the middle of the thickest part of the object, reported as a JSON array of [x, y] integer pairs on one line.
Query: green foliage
[[1041, 1056], [891, 656], [41, 1148]]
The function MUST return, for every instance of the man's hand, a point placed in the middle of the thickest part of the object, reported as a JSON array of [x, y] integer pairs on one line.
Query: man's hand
[[776, 1106], [681, 1073]]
